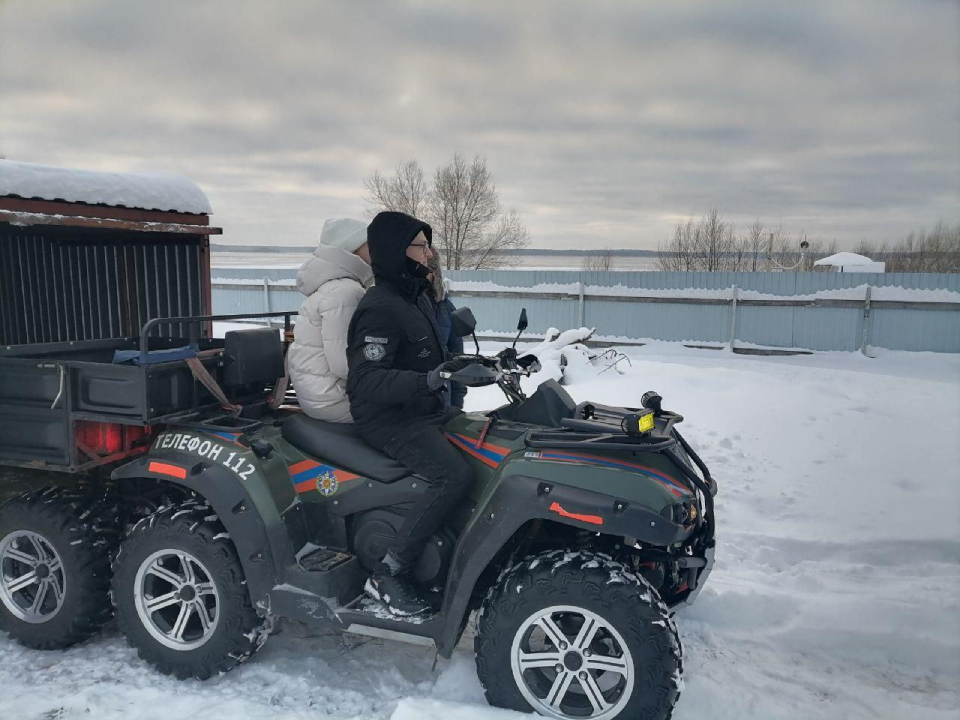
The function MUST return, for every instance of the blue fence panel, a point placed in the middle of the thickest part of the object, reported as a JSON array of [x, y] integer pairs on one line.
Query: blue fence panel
[[659, 321], [251, 299], [501, 314], [827, 328], [253, 273], [930, 330], [770, 326], [815, 328]]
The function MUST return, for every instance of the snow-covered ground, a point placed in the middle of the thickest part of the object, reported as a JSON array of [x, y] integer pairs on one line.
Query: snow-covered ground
[[836, 592]]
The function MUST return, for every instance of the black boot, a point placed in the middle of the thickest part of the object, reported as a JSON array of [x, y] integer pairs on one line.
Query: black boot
[[397, 592]]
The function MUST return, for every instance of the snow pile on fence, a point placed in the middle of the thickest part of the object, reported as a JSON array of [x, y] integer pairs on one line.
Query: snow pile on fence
[[145, 191], [897, 294]]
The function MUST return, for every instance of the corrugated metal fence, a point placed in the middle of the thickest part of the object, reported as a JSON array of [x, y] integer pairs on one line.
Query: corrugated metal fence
[[58, 284], [640, 305]]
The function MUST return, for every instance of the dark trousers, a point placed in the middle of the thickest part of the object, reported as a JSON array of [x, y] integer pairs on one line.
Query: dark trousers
[[424, 449]]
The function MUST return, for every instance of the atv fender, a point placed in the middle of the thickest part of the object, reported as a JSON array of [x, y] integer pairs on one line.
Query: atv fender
[[261, 550], [520, 499]]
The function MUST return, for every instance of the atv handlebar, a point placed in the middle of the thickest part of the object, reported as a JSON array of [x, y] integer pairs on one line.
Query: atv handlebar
[[504, 369]]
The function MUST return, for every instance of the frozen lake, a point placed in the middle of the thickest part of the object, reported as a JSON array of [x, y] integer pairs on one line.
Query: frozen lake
[[292, 260]]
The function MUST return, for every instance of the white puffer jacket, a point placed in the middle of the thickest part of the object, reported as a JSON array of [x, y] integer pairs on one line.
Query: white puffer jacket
[[333, 280]]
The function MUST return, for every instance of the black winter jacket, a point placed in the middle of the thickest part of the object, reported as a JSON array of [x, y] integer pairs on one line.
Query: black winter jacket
[[393, 340]]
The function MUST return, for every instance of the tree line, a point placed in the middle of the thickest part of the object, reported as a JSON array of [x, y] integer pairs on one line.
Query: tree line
[[712, 244], [471, 229]]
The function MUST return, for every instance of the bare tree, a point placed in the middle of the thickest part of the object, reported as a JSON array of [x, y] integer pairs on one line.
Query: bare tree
[[709, 244], [678, 254], [713, 240], [470, 228], [738, 259], [753, 243], [819, 250], [464, 206], [936, 250], [405, 192], [508, 233], [705, 245], [598, 260], [869, 248]]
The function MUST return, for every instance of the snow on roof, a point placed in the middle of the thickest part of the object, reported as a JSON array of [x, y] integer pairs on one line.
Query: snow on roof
[[844, 258], [145, 191]]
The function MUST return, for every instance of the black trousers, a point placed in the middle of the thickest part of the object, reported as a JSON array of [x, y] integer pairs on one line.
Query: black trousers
[[424, 449]]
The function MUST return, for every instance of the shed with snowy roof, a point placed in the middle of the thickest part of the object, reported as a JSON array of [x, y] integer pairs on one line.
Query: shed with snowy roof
[[851, 263], [87, 255]]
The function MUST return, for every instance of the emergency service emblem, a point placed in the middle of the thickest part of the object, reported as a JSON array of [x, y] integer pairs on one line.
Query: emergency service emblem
[[327, 484], [373, 351]]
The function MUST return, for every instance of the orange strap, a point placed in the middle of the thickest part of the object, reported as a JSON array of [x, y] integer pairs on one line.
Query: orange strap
[[279, 393], [210, 383]]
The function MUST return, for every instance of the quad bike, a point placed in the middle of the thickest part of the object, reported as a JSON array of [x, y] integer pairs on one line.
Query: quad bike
[[585, 527]]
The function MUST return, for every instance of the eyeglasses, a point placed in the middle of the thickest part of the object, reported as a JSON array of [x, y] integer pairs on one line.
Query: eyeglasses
[[421, 245]]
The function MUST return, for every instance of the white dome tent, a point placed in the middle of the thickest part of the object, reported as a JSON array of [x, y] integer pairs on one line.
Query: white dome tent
[[851, 263]]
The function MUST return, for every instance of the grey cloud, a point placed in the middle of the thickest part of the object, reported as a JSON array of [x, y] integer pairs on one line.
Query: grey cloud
[[599, 118]]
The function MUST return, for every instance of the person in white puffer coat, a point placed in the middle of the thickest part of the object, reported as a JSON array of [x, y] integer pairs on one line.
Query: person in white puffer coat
[[334, 280]]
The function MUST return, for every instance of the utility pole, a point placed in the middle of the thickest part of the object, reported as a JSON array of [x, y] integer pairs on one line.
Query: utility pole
[[770, 253]]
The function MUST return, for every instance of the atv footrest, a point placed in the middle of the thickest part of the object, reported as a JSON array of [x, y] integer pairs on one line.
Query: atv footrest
[[328, 574], [323, 559]]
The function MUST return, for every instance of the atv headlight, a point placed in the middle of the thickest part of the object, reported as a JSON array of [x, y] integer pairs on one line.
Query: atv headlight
[[637, 423], [684, 513]]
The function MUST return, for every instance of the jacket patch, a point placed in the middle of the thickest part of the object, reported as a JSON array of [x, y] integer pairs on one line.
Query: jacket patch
[[373, 352], [377, 340], [425, 353]]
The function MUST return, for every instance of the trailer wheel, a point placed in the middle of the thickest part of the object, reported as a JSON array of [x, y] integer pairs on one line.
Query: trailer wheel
[[180, 594], [577, 635], [55, 549]]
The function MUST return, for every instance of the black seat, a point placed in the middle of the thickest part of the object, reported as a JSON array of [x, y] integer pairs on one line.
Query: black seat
[[340, 445]]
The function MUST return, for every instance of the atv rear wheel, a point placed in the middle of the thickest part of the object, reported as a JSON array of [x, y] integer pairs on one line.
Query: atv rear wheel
[[180, 594], [55, 548], [576, 635]]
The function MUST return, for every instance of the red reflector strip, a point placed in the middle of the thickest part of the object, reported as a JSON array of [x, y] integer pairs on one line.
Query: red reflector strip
[[592, 519], [171, 470]]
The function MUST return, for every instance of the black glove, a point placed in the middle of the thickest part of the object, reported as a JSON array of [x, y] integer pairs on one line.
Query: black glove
[[436, 382]]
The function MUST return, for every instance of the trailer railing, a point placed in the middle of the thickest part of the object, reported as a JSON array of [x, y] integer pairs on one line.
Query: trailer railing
[[193, 323]]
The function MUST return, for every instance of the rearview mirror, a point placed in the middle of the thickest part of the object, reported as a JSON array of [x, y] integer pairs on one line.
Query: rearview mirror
[[522, 325], [462, 322]]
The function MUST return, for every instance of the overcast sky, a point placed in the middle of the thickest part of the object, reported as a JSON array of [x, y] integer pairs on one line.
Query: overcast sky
[[603, 123]]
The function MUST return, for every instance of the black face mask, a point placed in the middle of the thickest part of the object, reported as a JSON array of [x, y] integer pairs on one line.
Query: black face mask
[[415, 269]]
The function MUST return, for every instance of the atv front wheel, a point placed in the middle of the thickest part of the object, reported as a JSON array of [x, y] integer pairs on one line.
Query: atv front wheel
[[180, 594], [577, 635], [55, 548]]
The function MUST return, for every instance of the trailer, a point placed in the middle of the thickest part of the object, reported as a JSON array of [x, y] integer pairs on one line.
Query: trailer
[[87, 259], [105, 338]]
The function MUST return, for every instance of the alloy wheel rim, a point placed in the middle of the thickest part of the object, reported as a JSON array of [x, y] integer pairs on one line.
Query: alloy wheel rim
[[176, 599], [32, 579], [569, 662]]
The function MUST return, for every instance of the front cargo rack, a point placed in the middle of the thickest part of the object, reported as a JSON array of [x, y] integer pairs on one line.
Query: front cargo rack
[[595, 426]]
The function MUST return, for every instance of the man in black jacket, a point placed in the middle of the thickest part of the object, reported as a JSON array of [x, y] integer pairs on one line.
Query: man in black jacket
[[395, 361]]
